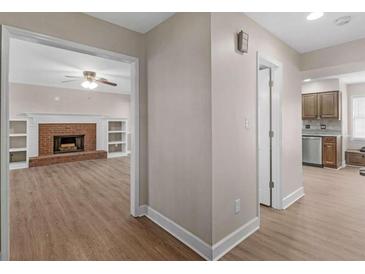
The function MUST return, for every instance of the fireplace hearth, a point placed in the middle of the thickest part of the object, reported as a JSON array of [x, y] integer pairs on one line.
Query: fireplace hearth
[[68, 144]]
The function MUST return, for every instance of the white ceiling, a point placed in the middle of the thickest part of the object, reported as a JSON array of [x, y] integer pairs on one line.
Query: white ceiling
[[138, 21], [294, 29], [37, 64]]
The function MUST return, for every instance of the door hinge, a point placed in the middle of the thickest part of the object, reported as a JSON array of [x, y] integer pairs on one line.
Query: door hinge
[[271, 134], [272, 184], [271, 84]]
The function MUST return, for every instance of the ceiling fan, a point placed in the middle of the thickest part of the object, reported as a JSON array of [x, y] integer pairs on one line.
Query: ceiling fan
[[90, 80]]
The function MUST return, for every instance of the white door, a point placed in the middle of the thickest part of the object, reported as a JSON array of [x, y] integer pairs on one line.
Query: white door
[[263, 135]]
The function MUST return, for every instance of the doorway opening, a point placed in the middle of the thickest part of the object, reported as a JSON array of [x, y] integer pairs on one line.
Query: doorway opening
[[28, 138], [269, 81]]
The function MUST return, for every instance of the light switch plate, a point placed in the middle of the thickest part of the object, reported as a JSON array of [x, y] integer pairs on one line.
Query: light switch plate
[[237, 206], [247, 124]]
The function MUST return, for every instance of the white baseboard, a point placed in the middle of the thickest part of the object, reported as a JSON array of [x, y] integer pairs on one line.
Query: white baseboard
[[343, 164], [185, 236], [293, 197], [229, 242], [142, 210], [205, 250]]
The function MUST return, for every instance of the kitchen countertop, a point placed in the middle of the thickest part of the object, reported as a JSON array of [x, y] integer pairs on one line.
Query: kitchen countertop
[[321, 133]]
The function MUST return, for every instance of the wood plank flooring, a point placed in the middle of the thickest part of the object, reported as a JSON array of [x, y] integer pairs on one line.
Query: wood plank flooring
[[328, 223], [80, 211]]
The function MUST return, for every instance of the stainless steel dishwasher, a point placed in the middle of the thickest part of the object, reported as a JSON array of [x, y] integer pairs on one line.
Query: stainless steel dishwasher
[[312, 150]]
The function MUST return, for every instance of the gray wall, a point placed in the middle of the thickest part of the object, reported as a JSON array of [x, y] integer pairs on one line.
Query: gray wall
[[321, 86], [179, 128], [345, 58], [24, 98], [347, 53], [234, 99], [213, 162]]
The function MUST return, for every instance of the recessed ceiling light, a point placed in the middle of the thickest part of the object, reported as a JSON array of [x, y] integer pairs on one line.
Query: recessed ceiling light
[[314, 16], [342, 20], [307, 80], [57, 98]]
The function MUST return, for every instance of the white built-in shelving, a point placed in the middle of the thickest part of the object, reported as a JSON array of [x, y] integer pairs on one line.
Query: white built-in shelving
[[18, 144], [117, 138]]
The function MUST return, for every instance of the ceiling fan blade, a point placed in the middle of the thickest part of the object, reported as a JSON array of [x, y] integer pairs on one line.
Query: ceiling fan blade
[[66, 81], [70, 76], [106, 82]]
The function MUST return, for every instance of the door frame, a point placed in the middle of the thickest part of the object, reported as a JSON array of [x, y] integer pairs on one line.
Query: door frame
[[277, 68], [8, 33]]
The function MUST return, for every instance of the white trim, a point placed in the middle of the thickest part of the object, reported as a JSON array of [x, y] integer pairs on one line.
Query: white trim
[[142, 210], [352, 120], [10, 32], [36, 115], [207, 251], [229, 242], [4, 144], [277, 128], [134, 131], [293, 197], [180, 233]]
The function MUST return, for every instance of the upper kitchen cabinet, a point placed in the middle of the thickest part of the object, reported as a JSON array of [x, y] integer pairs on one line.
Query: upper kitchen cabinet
[[322, 105], [328, 104], [309, 106]]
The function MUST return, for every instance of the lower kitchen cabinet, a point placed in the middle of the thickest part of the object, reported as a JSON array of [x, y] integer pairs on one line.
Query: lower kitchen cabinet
[[332, 151]]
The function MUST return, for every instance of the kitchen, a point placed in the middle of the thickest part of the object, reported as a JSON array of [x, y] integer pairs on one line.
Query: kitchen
[[332, 125]]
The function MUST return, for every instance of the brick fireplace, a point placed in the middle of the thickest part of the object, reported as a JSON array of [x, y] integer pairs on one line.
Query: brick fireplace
[[60, 143], [47, 132]]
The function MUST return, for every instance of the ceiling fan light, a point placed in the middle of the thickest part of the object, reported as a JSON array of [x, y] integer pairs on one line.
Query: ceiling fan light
[[92, 85], [314, 16], [85, 84]]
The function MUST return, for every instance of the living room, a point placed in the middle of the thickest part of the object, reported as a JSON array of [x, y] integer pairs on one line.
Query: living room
[[68, 107]]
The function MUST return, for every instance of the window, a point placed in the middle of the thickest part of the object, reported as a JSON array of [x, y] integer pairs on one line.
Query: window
[[358, 117]]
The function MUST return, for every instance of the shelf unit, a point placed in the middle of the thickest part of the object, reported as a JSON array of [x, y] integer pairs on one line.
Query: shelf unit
[[18, 144], [117, 138]]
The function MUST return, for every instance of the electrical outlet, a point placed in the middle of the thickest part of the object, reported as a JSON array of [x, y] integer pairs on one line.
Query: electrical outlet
[[237, 206]]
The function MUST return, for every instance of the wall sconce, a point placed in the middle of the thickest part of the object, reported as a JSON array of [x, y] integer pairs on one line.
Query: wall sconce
[[242, 42]]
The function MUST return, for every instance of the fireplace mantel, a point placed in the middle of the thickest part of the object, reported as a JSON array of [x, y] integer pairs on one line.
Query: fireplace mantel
[[54, 116]]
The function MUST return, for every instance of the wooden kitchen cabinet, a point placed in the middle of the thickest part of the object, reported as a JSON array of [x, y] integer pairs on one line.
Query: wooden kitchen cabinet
[[355, 157], [309, 106], [328, 104], [332, 151], [322, 105]]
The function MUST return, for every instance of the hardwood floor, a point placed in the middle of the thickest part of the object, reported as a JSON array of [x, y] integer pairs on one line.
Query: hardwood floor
[[80, 211], [328, 223]]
